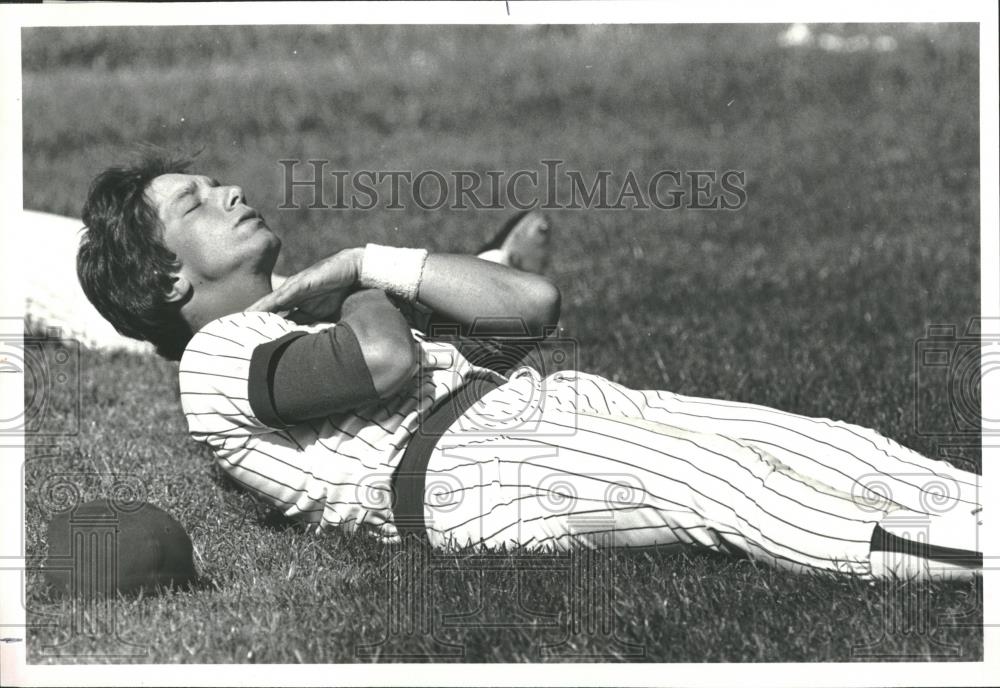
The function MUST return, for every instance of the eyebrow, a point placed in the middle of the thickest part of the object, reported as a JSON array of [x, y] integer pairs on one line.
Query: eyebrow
[[189, 189], [185, 191]]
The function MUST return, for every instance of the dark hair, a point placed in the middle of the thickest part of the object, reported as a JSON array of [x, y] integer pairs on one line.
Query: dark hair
[[122, 264]]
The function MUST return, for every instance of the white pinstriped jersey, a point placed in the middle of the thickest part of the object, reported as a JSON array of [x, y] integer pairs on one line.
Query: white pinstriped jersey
[[333, 471]]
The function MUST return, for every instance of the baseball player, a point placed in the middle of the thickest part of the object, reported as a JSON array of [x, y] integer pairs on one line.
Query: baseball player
[[327, 399]]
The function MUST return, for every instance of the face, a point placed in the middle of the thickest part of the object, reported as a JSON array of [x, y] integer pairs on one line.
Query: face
[[214, 233]]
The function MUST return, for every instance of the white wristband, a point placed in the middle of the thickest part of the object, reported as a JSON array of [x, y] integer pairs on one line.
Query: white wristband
[[394, 270]]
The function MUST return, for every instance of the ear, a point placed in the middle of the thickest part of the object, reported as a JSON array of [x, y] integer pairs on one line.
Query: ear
[[179, 289]]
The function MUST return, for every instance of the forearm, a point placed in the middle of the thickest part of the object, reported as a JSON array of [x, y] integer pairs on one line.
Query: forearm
[[458, 289], [364, 300], [463, 289]]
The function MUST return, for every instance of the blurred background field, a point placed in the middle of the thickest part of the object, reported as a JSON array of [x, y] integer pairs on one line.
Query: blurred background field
[[861, 228]]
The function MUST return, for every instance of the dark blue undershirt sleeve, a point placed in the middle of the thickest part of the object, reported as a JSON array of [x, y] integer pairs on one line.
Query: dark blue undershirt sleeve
[[303, 376]]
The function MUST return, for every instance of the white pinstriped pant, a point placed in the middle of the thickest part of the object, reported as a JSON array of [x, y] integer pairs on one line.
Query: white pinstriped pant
[[575, 460]]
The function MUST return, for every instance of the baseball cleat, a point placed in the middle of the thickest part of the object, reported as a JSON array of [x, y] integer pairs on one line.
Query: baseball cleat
[[524, 242]]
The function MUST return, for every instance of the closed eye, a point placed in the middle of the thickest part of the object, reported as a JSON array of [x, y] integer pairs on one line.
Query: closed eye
[[192, 208]]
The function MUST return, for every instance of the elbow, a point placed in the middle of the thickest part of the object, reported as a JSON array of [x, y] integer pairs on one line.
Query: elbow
[[392, 362], [546, 302], [551, 304]]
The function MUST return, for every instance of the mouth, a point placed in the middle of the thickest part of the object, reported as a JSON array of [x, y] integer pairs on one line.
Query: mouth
[[249, 214]]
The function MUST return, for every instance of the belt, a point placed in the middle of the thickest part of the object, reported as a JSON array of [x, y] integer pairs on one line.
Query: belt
[[409, 478]]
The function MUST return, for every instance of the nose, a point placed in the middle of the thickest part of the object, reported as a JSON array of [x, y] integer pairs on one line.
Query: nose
[[234, 196]]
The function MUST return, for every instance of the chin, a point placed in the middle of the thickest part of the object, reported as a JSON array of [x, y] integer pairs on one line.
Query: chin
[[269, 249]]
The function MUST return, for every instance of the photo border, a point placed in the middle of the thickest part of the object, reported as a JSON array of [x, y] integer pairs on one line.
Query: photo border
[[12, 650]]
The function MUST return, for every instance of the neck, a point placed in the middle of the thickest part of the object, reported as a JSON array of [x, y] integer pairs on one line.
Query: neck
[[219, 299]]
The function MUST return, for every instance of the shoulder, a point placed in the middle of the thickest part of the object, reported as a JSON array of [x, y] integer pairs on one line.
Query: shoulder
[[237, 334], [224, 347], [214, 370]]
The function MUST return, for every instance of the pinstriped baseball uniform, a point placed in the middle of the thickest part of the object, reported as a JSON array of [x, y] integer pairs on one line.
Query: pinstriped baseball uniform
[[333, 471], [575, 460]]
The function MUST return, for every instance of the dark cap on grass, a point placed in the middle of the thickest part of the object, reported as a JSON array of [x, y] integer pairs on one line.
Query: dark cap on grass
[[103, 547]]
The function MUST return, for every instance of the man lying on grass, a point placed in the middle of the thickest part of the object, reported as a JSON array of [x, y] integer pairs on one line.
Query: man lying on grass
[[344, 413]]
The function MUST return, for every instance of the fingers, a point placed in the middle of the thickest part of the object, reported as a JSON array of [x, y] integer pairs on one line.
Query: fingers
[[329, 275], [284, 297], [263, 304], [268, 303], [302, 293]]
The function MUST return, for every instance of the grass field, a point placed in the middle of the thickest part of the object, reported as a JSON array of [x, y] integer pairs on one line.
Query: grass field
[[861, 228]]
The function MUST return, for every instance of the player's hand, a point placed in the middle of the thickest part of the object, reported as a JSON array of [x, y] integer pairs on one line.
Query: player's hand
[[318, 292]]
